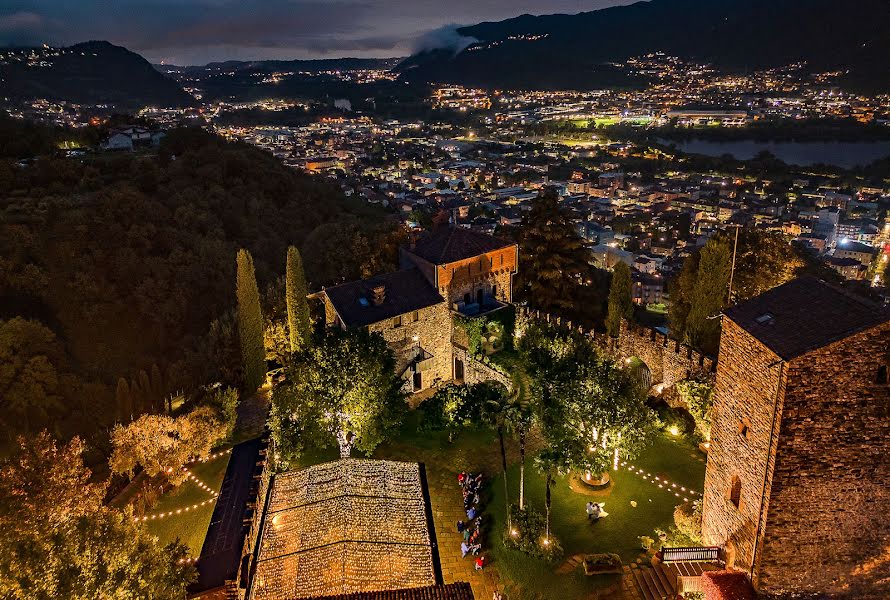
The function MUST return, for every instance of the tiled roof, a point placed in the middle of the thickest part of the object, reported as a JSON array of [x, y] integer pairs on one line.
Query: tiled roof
[[450, 244], [804, 314], [452, 591], [405, 291]]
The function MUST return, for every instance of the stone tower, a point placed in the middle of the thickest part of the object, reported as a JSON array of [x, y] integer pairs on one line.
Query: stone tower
[[796, 488]]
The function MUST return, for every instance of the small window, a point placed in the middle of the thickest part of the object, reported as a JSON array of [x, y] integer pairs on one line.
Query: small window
[[415, 316], [882, 375], [502, 260], [744, 428], [397, 322], [735, 491]]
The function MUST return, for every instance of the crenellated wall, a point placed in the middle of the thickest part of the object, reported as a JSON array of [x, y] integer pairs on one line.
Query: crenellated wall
[[668, 360]]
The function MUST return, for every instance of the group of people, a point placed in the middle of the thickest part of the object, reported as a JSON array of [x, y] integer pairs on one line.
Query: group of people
[[471, 487]]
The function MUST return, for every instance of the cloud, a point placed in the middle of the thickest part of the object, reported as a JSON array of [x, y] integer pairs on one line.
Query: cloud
[[443, 38], [20, 20]]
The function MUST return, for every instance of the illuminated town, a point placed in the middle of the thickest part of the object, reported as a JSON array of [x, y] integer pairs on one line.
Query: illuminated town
[[318, 303]]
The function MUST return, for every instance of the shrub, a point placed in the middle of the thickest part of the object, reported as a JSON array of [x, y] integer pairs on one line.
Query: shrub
[[699, 397], [601, 563], [527, 533], [646, 542]]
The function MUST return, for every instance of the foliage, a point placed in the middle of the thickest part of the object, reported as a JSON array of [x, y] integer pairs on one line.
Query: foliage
[[527, 533], [764, 260], [342, 388], [602, 562], [453, 407], [162, 444], [472, 328], [127, 258], [699, 397], [298, 324], [688, 521], [554, 272], [350, 249], [60, 541], [646, 542], [31, 388], [226, 401], [589, 407], [250, 323], [621, 304]]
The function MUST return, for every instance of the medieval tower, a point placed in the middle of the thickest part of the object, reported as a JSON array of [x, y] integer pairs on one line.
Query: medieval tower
[[796, 489]]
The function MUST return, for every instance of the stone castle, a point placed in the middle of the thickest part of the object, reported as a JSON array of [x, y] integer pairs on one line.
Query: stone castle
[[796, 490], [451, 271]]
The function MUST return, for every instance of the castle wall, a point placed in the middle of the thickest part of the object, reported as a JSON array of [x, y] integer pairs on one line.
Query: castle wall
[[747, 401], [669, 361], [828, 526], [480, 272], [432, 330]]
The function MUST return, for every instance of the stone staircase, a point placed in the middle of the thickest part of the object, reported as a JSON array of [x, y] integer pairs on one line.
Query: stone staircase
[[664, 581]]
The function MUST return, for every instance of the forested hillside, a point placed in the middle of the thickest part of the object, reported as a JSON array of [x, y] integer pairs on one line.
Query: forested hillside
[[123, 266]]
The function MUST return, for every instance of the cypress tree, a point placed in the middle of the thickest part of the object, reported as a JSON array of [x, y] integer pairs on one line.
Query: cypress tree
[[298, 323], [123, 400], [250, 322], [708, 296], [148, 399], [157, 385], [621, 304]]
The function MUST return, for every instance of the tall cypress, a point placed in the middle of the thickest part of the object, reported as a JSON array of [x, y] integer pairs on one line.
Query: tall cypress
[[250, 322], [621, 304], [297, 306], [124, 401]]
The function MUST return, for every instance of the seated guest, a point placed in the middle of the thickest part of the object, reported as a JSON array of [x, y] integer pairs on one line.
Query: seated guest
[[461, 478], [475, 549], [464, 549], [480, 563], [471, 514], [466, 534]]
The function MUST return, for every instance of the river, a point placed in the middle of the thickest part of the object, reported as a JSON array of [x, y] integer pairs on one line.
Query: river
[[840, 154]]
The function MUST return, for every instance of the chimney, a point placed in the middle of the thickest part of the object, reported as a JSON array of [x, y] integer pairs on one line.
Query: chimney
[[379, 294]]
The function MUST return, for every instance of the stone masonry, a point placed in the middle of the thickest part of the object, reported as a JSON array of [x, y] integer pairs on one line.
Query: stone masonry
[[796, 484]]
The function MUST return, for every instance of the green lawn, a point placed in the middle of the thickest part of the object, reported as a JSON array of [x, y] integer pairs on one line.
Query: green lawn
[[618, 532], [189, 526]]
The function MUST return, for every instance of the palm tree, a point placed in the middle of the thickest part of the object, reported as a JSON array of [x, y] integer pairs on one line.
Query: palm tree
[[549, 462], [521, 417], [498, 411]]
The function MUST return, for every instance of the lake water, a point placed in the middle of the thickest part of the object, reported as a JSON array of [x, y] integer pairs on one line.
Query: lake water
[[840, 154]]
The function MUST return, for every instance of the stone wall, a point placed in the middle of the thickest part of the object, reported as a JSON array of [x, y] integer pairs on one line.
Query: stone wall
[[475, 371], [431, 330], [828, 526], [669, 361], [747, 395]]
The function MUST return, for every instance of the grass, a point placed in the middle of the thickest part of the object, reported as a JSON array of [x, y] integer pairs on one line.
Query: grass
[[618, 532], [190, 527]]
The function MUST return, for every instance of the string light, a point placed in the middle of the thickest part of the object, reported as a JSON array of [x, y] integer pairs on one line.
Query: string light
[[190, 477], [661, 482]]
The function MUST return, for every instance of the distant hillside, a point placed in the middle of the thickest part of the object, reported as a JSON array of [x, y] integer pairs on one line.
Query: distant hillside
[[572, 51], [87, 73], [309, 66]]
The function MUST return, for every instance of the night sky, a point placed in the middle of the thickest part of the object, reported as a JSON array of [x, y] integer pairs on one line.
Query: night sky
[[199, 31]]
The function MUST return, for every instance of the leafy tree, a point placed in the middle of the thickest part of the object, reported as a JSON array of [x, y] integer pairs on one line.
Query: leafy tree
[[61, 542], [162, 444], [226, 402], [620, 298], [453, 407], [554, 265], [699, 397], [343, 389], [30, 383], [250, 323], [299, 327], [550, 462], [701, 295]]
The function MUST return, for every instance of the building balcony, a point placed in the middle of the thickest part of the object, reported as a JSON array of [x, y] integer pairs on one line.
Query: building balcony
[[475, 309]]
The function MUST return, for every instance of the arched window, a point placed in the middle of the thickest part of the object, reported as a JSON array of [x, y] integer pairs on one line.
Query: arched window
[[882, 375], [735, 491]]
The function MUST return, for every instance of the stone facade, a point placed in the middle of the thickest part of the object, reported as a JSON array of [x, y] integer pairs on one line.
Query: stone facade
[[806, 443], [428, 329], [475, 371]]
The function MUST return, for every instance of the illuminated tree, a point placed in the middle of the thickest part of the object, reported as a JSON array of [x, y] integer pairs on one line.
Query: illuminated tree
[[343, 389], [299, 327], [162, 444], [250, 323], [60, 541]]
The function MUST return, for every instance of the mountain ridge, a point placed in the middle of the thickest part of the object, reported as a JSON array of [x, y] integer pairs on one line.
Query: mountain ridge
[[93, 72], [734, 35]]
